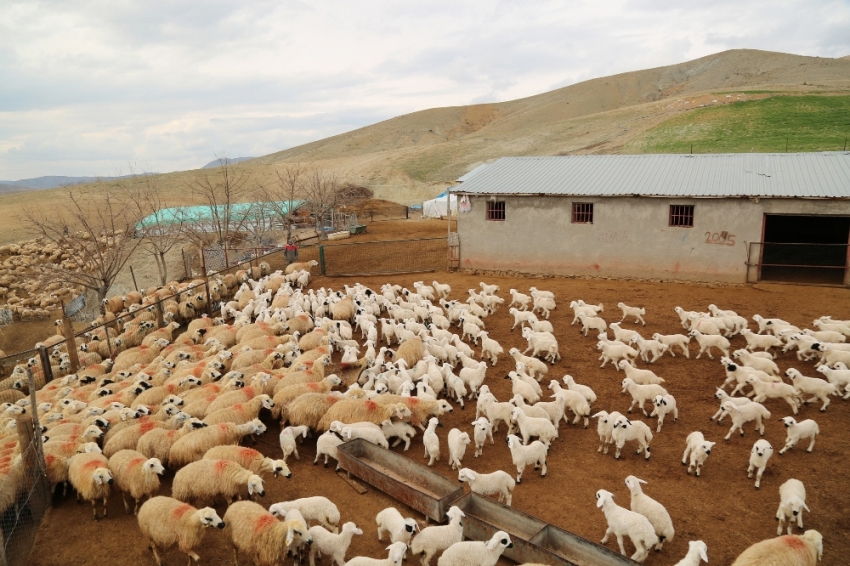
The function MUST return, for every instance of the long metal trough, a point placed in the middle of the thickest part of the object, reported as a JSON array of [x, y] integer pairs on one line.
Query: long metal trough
[[577, 550], [413, 484]]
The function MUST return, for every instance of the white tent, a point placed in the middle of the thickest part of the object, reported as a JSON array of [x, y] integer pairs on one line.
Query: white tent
[[436, 207]]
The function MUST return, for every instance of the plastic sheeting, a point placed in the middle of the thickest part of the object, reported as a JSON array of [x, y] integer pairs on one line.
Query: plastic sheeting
[[437, 207]]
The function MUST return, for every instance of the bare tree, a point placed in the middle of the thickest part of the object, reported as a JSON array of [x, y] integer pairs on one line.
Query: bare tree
[[321, 194], [285, 197], [260, 222], [159, 227], [93, 230], [221, 192]]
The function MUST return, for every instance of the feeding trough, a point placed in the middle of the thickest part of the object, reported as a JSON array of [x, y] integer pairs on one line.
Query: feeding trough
[[414, 484], [577, 550]]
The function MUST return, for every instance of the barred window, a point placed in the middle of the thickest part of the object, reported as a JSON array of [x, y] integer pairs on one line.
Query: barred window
[[582, 213], [495, 210], [682, 215]]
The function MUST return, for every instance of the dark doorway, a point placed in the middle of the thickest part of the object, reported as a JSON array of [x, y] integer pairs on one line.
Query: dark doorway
[[805, 249]]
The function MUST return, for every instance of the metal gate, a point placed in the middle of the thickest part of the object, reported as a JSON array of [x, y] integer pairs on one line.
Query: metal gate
[[800, 263]]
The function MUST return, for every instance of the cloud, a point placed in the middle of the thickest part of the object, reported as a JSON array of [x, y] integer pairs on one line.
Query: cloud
[[86, 84]]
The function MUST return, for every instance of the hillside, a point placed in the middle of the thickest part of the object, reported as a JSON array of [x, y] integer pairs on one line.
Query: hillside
[[415, 156]]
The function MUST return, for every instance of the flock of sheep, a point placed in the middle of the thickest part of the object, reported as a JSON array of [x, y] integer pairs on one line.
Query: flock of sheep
[[185, 401]]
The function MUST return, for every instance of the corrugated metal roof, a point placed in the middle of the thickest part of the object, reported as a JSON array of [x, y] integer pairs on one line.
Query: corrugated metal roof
[[472, 173], [800, 175]]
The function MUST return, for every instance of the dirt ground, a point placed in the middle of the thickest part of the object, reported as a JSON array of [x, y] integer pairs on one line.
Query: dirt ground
[[722, 507]]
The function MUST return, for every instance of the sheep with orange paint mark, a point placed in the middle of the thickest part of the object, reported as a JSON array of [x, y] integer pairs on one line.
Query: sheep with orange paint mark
[[208, 480], [259, 534], [166, 522], [135, 475]]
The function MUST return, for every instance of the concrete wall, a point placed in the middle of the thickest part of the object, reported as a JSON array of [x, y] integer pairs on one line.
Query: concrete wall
[[629, 237]]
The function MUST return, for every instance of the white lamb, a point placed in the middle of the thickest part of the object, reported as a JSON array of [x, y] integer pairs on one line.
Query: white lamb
[[542, 428], [639, 376], [399, 529], [614, 352], [399, 430], [764, 391], [605, 428], [431, 540], [544, 305], [664, 404], [760, 341], [395, 557], [326, 446], [521, 388], [457, 442], [521, 317], [586, 391], [622, 334], [287, 440], [819, 389], [474, 377], [698, 450], [495, 411], [626, 430], [697, 550], [522, 455], [757, 362], [316, 508], [519, 299], [671, 340], [622, 522], [541, 343], [476, 553], [722, 396], [636, 312], [497, 482], [431, 441], [839, 375], [590, 322], [490, 349], [797, 431], [648, 348], [641, 393], [741, 414], [792, 501], [579, 307], [535, 367], [658, 516], [573, 400], [481, 430], [708, 341], [759, 455], [330, 544]]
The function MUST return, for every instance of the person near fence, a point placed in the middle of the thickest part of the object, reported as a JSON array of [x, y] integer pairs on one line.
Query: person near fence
[[290, 252]]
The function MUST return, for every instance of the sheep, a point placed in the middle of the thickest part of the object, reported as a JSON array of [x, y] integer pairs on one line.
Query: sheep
[[397, 553], [481, 430], [522, 388], [636, 312], [531, 426], [522, 455], [756, 362], [832, 354], [135, 475], [819, 389], [722, 396], [490, 349], [658, 516], [399, 430], [697, 550], [832, 325], [641, 393], [792, 501], [797, 431], [194, 445], [752, 411], [457, 442], [374, 436], [764, 391], [541, 343], [326, 446], [649, 347], [759, 455], [521, 316], [431, 540], [621, 522], [760, 341], [639, 376], [838, 375], [89, 474], [788, 550], [708, 341], [431, 441], [497, 482], [495, 411], [316, 508], [330, 544], [535, 367], [591, 323], [576, 403], [166, 522], [614, 352], [476, 553], [605, 428], [544, 305], [249, 459], [738, 373], [287, 440], [625, 430], [698, 449], [586, 391], [671, 340], [256, 532], [580, 307], [664, 404], [474, 377], [359, 410], [205, 480], [399, 529], [519, 299]]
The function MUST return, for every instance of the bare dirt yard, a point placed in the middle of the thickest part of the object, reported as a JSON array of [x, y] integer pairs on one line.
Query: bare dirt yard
[[722, 507]]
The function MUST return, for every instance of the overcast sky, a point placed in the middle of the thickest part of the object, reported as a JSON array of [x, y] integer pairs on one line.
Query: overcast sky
[[87, 88]]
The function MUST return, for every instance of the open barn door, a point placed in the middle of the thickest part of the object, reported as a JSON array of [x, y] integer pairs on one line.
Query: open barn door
[[803, 249]]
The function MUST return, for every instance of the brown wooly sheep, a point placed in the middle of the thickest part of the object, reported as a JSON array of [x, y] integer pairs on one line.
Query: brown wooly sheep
[[113, 305], [156, 395], [249, 459], [201, 322], [311, 356], [166, 332], [411, 351], [206, 480], [194, 445], [165, 522], [421, 410], [158, 442], [309, 408], [259, 534], [266, 341], [265, 359], [343, 310], [229, 398], [313, 375], [300, 265], [135, 475], [90, 476], [289, 393], [313, 339], [240, 412], [128, 438], [351, 411], [255, 329], [138, 355], [301, 324], [788, 550]]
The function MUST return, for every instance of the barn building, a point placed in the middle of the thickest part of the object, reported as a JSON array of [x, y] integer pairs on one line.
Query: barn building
[[711, 217]]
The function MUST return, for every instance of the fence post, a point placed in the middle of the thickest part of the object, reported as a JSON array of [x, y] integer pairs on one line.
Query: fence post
[[45, 364], [406, 213], [207, 288], [322, 260], [157, 308], [70, 343]]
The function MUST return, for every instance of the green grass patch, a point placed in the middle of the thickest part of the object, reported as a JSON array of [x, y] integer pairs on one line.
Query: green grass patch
[[423, 167], [748, 92], [808, 123]]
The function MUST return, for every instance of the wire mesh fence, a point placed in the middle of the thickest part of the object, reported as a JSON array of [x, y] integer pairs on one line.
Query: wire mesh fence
[[399, 256], [379, 213], [815, 264]]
